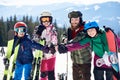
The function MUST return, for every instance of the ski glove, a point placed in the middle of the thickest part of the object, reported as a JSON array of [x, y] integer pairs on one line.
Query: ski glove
[[45, 49], [52, 49], [62, 48], [40, 30], [5, 61]]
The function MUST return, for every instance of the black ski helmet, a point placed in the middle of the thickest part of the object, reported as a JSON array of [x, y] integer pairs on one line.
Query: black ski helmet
[[75, 14], [46, 14]]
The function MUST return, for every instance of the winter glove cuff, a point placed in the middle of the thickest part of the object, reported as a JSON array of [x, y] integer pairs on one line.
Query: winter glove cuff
[[62, 48], [52, 49]]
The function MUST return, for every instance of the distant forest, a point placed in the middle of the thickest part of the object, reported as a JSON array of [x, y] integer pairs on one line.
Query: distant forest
[[7, 28]]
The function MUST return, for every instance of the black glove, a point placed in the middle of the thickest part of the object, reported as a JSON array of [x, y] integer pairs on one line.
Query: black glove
[[62, 48], [45, 49], [52, 49], [5, 61], [40, 30]]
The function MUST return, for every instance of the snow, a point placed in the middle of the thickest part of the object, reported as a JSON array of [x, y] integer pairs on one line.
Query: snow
[[63, 65], [1, 65]]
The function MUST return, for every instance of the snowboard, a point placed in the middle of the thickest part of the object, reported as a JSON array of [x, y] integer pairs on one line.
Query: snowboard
[[113, 47], [114, 61]]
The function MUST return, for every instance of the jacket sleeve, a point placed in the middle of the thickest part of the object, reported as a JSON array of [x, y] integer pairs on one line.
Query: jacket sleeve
[[71, 47], [76, 46], [36, 45], [84, 41]]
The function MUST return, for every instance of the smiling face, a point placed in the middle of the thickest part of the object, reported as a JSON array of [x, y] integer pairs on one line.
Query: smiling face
[[20, 31], [21, 34], [75, 22], [92, 32], [46, 23]]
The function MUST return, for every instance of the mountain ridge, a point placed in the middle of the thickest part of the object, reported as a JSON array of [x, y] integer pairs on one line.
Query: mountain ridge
[[105, 13]]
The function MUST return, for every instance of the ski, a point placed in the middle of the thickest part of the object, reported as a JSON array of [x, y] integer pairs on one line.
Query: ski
[[10, 65], [6, 71], [35, 73]]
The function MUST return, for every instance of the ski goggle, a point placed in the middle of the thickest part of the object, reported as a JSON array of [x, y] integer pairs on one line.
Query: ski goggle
[[20, 30], [45, 19]]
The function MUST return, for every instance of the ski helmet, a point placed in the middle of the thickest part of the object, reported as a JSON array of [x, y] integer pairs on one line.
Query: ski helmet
[[91, 25], [20, 27], [46, 16]]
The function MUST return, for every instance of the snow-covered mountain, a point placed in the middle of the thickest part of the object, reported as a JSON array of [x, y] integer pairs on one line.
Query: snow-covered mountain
[[105, 13]]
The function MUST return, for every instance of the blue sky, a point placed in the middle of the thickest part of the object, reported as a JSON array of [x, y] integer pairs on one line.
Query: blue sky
[[45, 2]]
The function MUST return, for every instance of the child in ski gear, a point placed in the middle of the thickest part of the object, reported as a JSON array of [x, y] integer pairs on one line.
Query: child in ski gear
[[81, 57], [50, 36], [99, 45], [24, 57]]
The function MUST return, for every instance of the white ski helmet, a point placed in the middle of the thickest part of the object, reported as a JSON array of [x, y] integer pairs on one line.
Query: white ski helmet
[[45, 13], [45, 16]]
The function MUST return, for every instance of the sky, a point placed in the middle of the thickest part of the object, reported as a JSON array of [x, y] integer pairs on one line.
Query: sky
[[46, 2]]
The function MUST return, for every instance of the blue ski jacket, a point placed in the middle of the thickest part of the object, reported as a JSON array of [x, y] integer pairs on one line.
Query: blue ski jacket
[[25, 54]]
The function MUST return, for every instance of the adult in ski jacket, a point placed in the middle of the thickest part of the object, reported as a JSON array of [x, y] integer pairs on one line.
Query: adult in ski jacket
[[24, 55], [81, 57], [47, 31]]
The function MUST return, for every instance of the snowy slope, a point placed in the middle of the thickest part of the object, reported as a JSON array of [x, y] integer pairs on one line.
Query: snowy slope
[[1, 68], [1, 65]]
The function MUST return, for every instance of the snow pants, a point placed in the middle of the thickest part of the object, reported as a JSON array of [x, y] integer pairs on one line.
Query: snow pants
[[81, 71], [99, 74], [22, 68], [47, 69]]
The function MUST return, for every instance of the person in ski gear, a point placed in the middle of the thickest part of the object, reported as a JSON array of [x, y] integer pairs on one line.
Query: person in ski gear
[[99, 45], [81, 57], [47, 31], [24, 53]]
